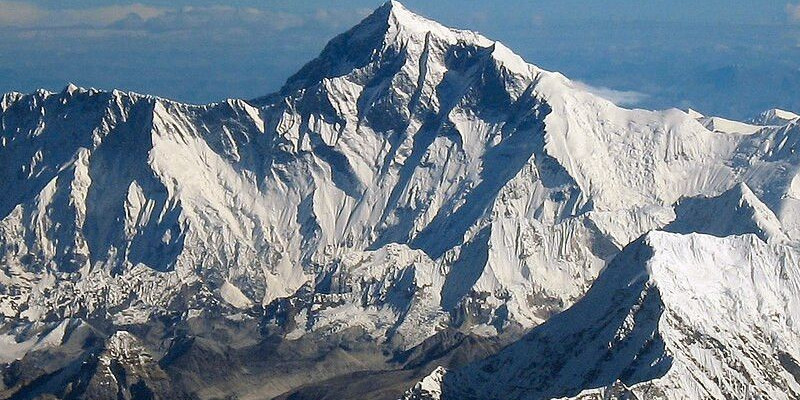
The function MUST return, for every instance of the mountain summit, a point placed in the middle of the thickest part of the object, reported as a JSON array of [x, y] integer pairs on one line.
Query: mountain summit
[[415, 197], [389, 33]]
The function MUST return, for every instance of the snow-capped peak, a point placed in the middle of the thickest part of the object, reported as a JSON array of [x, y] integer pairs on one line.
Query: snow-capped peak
[[401, 18], [775, 116], [71, 88], [390, 34]]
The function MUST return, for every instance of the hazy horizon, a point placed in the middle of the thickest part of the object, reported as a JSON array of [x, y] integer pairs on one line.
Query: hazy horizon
[[725, 58]]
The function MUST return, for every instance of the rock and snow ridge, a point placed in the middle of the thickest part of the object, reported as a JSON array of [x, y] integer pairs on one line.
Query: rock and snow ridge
[[673, 316], [412, 177], [775, 116]]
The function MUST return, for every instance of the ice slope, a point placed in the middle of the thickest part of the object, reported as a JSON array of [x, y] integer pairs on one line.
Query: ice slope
[[673, 316], [410, 175]]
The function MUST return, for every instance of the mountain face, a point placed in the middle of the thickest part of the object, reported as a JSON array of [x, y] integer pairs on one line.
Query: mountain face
[[410, 202], [673, 316]]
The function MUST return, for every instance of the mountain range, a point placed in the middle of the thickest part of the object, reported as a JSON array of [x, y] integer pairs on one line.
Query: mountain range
[[418, 213]]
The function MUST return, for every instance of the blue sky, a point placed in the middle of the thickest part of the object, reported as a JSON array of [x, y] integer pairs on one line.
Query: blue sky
[[730, 58]]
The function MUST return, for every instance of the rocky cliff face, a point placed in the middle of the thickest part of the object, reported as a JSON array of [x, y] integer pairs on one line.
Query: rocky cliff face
[[411, 180]]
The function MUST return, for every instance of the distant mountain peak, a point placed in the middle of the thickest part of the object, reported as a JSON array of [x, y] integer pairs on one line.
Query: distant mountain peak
[[71, 88]]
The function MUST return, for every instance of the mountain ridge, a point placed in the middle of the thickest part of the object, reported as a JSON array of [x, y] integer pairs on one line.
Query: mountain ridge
[[411, 180], [652, 341]]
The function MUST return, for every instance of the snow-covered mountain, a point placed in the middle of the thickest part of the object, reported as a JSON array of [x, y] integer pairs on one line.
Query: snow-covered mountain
[[672, 317], [412, 180]]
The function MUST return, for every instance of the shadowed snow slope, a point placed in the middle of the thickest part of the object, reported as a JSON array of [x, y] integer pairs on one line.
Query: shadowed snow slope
[[411, 178], [735, 212]]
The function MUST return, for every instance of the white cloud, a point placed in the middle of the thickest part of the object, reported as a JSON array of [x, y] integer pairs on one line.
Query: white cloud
[[210, 18], [152, 19], [101, 16], [13, 13], [339, 17], [618, 97], [25, 20], [28, 15], [793, 11]]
